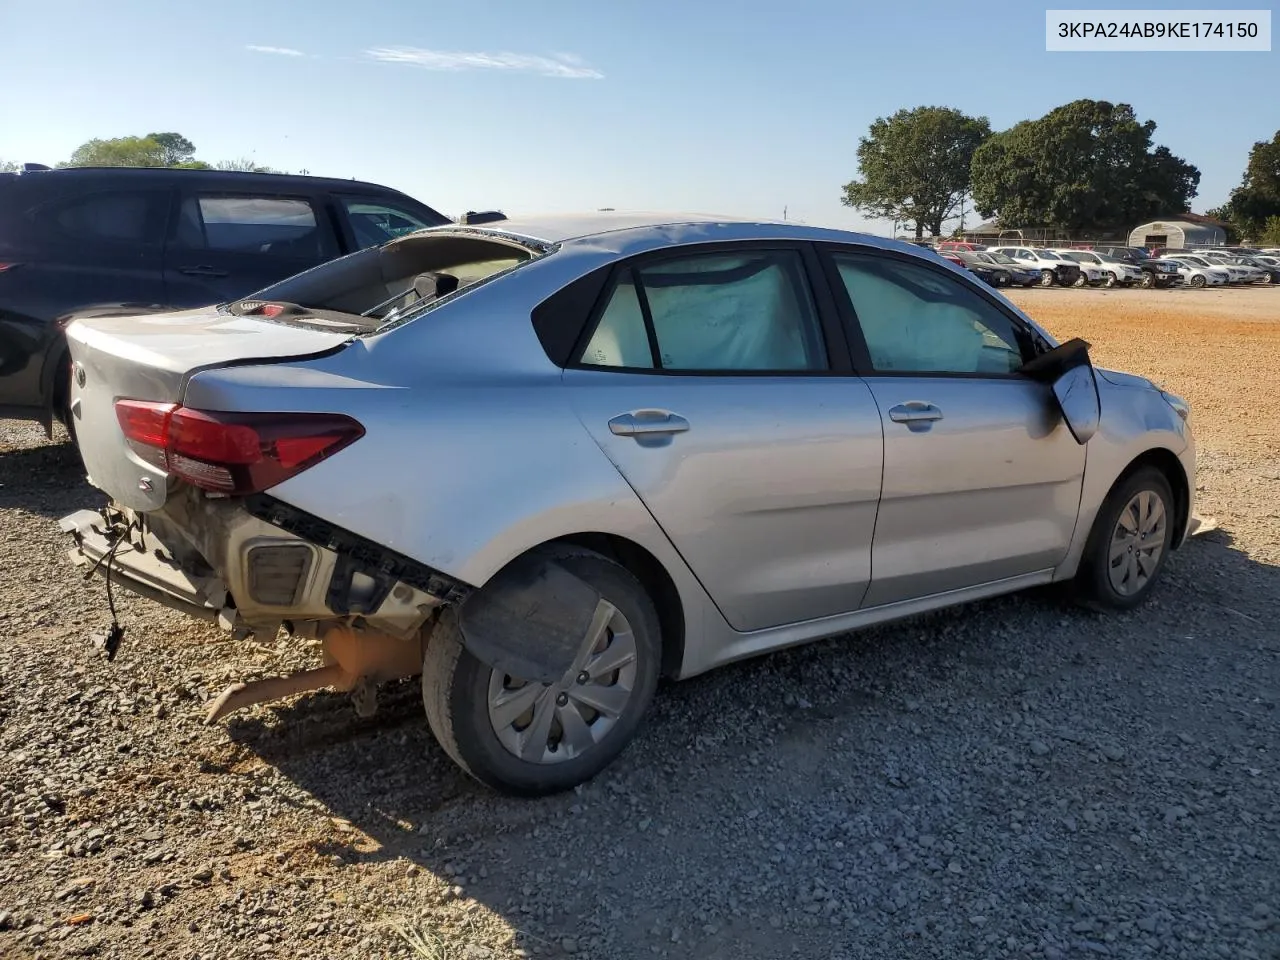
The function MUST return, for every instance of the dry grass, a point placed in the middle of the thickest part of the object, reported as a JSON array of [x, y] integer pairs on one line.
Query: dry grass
[[1219, 349]]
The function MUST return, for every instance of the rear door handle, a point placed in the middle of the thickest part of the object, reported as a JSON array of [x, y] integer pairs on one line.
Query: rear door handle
[[202, 271], [647, 423], [914, 411]]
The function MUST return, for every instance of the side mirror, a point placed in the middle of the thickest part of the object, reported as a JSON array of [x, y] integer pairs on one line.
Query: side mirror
[[1069, 372]]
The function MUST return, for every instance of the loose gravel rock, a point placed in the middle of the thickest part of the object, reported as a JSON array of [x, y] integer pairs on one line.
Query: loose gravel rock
[[1016, 779]]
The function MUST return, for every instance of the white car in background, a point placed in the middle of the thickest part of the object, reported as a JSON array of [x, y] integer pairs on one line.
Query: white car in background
[[1197, 274], [1235, 274], [1258, 273], [1112, 270], [1053, 267]]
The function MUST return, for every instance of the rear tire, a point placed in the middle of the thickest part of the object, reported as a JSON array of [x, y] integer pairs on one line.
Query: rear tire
[[460, 694], [1198, 281], [62, 403], [1129, 543], [1111, 281], [1046, 278]]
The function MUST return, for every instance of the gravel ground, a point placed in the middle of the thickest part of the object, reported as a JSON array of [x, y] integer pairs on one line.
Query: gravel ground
[[1013, 779]]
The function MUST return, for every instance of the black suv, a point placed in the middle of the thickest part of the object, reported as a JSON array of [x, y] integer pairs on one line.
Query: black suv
[[1154, 272], [97, 240]]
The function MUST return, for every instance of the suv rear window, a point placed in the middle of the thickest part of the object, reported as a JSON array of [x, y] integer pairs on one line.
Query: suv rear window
[[128, 217]]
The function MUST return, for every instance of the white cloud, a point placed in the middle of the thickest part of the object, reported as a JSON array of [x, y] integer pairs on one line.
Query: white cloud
[[560, 65], [278, 51]]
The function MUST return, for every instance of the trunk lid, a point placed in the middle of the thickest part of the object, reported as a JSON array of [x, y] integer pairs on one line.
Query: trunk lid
[[150, 357]]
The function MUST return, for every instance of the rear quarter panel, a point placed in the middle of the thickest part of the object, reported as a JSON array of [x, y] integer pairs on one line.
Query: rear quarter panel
[[472, 454]]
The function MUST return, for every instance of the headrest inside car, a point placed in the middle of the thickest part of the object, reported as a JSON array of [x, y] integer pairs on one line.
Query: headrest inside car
[[434, 285]]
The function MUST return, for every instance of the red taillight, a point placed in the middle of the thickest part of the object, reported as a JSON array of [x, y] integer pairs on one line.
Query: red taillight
[[232, 452], [5, 266]]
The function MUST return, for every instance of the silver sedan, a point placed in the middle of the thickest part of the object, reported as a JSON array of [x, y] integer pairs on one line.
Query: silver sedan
[[542, 463]]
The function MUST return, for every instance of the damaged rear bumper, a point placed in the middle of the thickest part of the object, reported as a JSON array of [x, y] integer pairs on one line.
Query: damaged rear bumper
[[255, 563]]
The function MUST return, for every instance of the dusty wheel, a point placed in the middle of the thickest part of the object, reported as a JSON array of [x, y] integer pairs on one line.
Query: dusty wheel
[[1111, 280], [1129, 543], [1198, 281], [1046, 278], [531, 739], [1080, 281], [1148, 280]]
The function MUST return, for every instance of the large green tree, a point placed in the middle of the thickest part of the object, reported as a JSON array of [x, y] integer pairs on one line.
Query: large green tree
[[1257, 199], [154, 150], [175, 149], [119, 152], [915, 166], [1086, 165]]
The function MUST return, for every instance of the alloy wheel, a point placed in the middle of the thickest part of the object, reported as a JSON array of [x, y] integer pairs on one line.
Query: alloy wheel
[[1137, 543]]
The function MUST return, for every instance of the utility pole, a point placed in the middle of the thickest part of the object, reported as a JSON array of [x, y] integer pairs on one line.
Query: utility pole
[[784, 212]]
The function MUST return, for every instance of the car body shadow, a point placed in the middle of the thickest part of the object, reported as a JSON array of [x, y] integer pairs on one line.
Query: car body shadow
[[47, 479]]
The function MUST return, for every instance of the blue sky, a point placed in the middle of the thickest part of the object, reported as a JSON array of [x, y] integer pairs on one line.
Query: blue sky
[[739, 108]]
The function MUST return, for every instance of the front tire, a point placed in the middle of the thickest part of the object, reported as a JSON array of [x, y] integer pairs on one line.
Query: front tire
[[1129, 543], [1080, 281], [1198, 281], [1046, 278], [1148, 280], [564, 733], [1111, 281]]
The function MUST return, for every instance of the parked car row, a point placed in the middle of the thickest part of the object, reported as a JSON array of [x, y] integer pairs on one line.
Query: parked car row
[[1005, 266], [1219, 268]]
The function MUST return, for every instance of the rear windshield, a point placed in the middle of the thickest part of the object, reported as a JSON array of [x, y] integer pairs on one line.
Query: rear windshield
[[385, 286]]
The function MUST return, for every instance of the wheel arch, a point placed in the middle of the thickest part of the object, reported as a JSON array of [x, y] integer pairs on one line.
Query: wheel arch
[[653, 576], [1164, 460]]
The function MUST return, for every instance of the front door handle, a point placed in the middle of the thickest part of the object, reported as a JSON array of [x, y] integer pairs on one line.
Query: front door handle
[[202, 271], [914, 411], [647, 423]]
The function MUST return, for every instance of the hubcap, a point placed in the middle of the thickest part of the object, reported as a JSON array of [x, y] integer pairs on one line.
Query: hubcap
[[555, 722], [1137, 543]]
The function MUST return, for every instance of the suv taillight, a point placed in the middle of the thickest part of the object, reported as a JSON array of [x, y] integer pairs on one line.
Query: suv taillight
[[235, 453]]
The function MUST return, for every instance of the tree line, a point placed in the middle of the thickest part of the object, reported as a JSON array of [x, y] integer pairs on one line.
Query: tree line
[[1086, 166], [153, 150]]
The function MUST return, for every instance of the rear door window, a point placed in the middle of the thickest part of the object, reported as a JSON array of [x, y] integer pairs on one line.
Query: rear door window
[[743, 313], [283, 227]]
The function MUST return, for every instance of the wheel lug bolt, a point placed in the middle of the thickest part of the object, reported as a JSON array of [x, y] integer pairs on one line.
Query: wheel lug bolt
[[583, 677], [562, 700]]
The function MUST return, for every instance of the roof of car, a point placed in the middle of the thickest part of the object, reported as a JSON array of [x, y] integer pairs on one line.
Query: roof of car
[[227, 176], [617, 229]]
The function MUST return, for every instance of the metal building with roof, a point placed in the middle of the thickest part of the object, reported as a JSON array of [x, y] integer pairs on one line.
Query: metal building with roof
[[1184, 231]]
